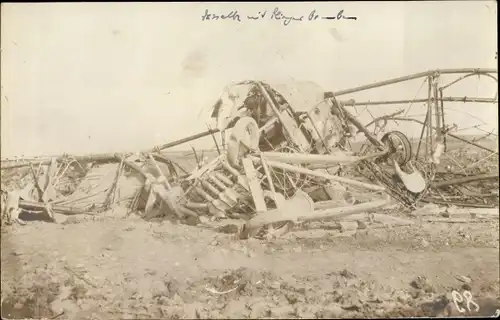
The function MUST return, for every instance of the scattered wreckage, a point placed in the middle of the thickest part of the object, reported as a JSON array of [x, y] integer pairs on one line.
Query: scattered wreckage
[[286, 157]]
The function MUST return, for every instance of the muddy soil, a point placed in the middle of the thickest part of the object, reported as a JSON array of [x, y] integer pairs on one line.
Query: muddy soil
[[125, 268]]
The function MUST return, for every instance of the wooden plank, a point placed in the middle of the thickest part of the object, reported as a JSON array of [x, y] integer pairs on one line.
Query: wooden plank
[[254, 184], [319, 174], [295, 213], [269, 179], [241, 180], [316, 159]]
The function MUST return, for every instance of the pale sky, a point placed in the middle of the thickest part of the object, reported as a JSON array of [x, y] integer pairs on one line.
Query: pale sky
[[110, 77]]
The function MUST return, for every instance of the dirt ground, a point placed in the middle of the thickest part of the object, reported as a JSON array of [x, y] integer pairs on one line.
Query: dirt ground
[[122, 267]]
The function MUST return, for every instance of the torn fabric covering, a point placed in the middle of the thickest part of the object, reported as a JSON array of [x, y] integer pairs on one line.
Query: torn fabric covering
[[226, 107], [94, 189], [300, 95]]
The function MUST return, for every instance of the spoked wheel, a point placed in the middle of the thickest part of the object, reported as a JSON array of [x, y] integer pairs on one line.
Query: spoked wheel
[[399, 147]]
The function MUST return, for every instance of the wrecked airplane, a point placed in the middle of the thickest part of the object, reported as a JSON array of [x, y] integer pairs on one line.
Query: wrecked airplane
[[286, 156]]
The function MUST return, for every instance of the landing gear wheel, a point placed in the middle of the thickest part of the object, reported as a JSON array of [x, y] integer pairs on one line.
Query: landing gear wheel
[[399, 147]]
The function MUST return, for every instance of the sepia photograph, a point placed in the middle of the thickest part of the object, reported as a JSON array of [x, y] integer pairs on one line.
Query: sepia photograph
[[249, 160]]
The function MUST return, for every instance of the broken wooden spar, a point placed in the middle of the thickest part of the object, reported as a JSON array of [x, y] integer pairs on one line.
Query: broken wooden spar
[[316, 159], [156, 188], [296, 213], [40, 206], [446, 183], [254, 184], [341, 212], [320, 174]]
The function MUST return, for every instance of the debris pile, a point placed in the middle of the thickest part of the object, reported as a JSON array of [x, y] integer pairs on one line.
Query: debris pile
[[286, 157]]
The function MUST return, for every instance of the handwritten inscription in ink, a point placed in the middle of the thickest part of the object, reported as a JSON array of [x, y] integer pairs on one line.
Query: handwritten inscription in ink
[[276, 14], [233, 15]]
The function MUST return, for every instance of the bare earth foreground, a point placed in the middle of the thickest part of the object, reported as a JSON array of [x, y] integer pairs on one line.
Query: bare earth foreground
[[110, 268]]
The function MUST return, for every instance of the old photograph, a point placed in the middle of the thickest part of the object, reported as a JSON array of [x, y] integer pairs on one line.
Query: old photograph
[[241, 160]]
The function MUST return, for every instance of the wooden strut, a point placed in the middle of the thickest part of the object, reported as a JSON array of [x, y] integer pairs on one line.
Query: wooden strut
[[160, 173], [254, 184], [456, 203], [305, 158], [357, 124], [269, 178], [91, 157], [42, 192], [110, 196], [464, 180], [277, 113], [215, 140], [342, 212], [38, 206], [319, 174], [162, 194], [277, 215]]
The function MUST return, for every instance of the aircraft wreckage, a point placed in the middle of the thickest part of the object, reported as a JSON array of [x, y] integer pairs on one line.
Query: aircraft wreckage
[[286, 157]]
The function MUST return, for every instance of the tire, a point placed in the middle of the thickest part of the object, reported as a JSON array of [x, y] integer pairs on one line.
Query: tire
[[406, 154]]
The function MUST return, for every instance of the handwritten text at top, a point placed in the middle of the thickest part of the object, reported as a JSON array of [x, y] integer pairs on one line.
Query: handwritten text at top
[[275, 14]]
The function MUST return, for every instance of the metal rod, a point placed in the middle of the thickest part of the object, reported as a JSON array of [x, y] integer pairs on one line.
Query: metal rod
[[448, 99], [357, 124], [436, 108], [412, 77], [443, 125], [198, 163], [424, 127], [468, 75], [472, 143], [318, 133], [187, 139], [389, 116], [215, 140], [430, 139], [448, 134]]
